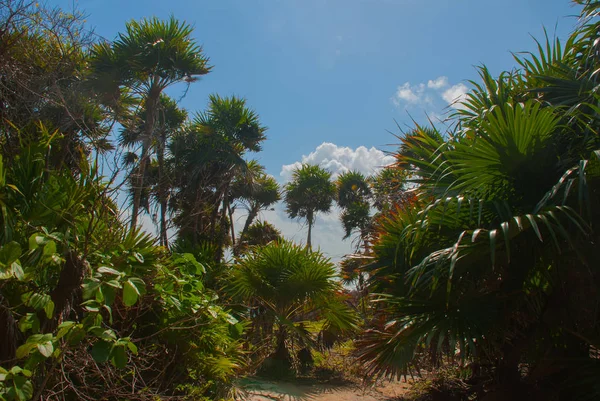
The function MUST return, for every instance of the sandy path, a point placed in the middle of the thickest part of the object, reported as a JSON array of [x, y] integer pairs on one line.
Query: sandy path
[[260, 390]]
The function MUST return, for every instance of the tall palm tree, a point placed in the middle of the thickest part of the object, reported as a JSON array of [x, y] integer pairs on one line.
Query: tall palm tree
[[170, 121], [157, 178], [151, 56], [310, 192]]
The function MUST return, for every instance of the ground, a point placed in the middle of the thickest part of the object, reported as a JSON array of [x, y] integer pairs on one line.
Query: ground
[[263, 390]]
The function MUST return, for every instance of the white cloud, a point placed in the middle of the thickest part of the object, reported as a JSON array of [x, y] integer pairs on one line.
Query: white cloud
[[407, 93], [455, 95], [430, 94], [340, 159], [438, 83], [327, 234]]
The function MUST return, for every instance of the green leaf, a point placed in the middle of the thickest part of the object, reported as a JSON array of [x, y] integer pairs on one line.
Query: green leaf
[[36, 240], [109, 294], [29, 321], [90, 286], [119, 357], [23, 388], [130, 293], [64, 328], [139, 285], [17, 271], [49, 309], [24, 350], [46, 349], [132, 347], [50, 248], [10, 253], [138, 256], [40, 301], [236, 330], [76, 335], [101, 351], [109, 270]]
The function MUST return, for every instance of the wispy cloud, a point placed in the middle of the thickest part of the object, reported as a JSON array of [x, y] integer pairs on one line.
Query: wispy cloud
[[455, 95], [438, 83], [409, 95]]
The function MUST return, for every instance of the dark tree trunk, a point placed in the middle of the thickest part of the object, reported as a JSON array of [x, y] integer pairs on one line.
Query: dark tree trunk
[[9, 333], [310, 219], [67, 292]]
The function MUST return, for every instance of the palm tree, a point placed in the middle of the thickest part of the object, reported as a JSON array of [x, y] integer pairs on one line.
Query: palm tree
[[353, 197], [256, 191], [207, 158], [151, 56], [259, 233], [285, 284], [310, 192], [491, 256], [169, 121]]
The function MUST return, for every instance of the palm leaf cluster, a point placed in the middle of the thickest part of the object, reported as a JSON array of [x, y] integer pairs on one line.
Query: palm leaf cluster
[[495, 259], [287, 287]]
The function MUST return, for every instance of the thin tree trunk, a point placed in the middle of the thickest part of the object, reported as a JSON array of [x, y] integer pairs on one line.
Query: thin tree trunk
[[151, 103], [251, 216], [137, 189], [310, 224], [229, 209], [161, 191], [221, 241]]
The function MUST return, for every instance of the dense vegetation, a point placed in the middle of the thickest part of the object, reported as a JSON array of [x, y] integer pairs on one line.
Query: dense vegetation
[[477, 249]]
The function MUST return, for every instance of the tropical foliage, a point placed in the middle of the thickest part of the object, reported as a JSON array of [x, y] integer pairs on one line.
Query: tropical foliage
[[286, 287], [478, 246], [494, 259]]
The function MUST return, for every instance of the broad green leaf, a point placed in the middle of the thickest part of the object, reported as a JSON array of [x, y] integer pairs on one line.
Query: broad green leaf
[[49, 309], [10, 253], [109, 294], [50, 248], [139, 285], [132, 347], [119, 357], [64, 328], [46, 349], [36, 240], [23, 388], [24, 350], [17, 270], [101, 351], [130, 293]]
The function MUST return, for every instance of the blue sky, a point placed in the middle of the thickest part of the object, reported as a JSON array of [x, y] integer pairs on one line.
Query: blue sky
[[341, 71]]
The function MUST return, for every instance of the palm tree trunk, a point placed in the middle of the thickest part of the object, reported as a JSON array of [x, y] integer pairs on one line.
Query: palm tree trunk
[[162, 196], [137, 189], [230, 211], [151, 103], [308, 239], [251, 216]]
